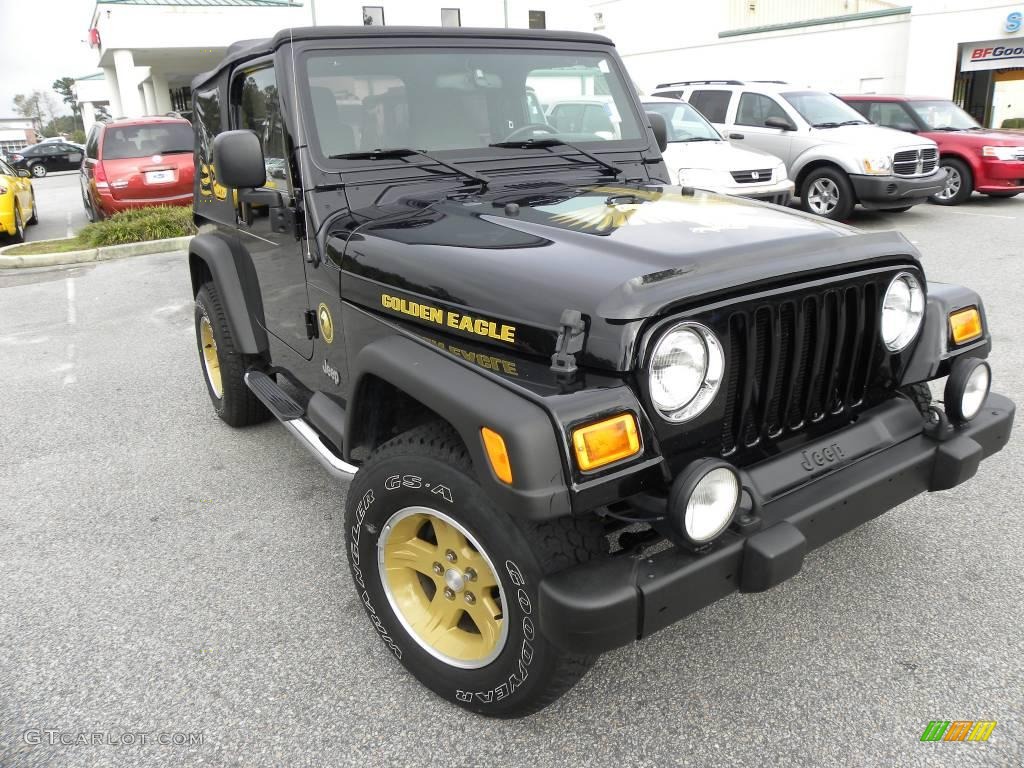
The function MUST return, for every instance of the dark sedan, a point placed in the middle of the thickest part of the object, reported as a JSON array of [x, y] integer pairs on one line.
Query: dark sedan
[[50, 156]]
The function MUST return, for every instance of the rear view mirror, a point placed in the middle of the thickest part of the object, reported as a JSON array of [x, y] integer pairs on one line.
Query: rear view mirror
[[782, 123], [660, 128], [238, 160]]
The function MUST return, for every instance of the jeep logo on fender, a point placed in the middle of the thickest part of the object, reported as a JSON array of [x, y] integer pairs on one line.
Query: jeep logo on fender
[[830, 454]]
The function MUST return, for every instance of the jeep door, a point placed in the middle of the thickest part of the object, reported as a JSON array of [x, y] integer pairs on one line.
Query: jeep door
[[267, 230], [747, 128]]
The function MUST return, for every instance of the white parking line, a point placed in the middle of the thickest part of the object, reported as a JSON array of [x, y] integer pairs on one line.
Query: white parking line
[[69, 377], [989, 215], [69, 232]]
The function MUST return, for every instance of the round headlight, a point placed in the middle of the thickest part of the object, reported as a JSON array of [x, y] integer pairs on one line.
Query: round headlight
[[686, 371], [703, 500], [902, 312], [966, 388]]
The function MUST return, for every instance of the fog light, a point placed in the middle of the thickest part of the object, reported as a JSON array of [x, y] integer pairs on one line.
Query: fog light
[[703, 500], [966, 388]]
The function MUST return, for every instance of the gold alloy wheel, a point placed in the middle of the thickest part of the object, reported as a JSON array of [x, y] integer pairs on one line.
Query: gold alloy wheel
[[443, 587], [211, 361]]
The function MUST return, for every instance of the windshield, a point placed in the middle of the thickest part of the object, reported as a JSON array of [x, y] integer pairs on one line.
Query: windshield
[[942, 115], [823, 110], [145, 140], [684, 122], [465, 99]]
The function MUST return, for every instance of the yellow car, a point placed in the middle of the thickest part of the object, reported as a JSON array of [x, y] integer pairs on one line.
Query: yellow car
[[17, 202]]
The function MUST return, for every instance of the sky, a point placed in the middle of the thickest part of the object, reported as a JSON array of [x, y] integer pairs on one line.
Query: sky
[[43, 40]]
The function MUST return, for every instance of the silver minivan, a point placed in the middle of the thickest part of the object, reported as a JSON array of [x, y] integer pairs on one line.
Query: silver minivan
[[836, 158]]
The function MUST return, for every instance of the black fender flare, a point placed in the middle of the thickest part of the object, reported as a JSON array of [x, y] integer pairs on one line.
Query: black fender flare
[[469, 401], [933, 356], [235, 277]]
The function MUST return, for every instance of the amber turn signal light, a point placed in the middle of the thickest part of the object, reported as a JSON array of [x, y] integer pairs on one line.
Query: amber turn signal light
[[606, 441], [965, 325], [497, 454]]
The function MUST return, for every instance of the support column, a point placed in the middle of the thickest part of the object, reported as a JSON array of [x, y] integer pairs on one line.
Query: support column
[[88, 115], [162, 93], [149, 97], [127, 79], [110, 75]]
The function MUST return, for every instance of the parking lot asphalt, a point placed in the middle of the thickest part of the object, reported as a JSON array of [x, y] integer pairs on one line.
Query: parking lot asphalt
[[164, 573], [59, 204]]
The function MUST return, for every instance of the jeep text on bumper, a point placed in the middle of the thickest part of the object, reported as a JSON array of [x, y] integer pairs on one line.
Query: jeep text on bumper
[[798, 501]]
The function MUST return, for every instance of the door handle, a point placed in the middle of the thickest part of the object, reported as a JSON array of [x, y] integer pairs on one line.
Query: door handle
[[736, 136]]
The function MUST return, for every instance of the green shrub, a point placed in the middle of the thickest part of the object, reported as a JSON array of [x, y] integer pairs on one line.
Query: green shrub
[[139, 224], [1013, 122]]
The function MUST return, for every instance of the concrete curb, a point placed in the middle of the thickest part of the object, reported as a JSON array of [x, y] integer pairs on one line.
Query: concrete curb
[[105, 253]]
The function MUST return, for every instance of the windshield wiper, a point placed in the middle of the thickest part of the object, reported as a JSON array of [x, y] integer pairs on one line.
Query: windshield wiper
[[826, 125], [380, 154], [946, 128], [854, 122], [553, 142], [695, 138]]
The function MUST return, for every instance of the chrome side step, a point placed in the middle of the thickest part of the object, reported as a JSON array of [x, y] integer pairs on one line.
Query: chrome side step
[[295, 420], [340, 470]]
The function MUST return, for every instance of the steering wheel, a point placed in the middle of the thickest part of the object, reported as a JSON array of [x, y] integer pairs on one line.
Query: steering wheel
[[524, 131]]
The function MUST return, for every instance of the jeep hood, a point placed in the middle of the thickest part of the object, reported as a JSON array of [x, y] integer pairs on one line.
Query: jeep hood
[[500, 267]]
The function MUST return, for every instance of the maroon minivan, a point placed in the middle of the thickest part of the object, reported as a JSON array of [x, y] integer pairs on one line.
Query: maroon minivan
[[135, 162]]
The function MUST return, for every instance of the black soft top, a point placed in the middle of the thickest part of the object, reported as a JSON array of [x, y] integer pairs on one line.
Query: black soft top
[[248, 49]]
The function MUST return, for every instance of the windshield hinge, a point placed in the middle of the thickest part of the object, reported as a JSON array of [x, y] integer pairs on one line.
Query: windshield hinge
[[569, 343]]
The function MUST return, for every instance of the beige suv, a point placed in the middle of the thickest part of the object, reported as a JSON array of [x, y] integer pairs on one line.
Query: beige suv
[[836, 158]]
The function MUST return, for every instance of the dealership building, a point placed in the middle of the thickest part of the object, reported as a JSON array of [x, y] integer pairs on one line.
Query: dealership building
[[969, 50], [148, 51]]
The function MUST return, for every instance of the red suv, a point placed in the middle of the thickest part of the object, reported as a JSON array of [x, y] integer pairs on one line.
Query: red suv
[[136, 162], [975, 158]]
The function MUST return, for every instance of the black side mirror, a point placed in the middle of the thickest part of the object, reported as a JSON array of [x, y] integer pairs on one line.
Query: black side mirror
[[660, 128], [25, 174], [238, 160], [782, 123]]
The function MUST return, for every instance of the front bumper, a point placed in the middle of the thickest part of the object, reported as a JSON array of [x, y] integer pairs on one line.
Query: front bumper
[[599, 606], [1000, 176], [880, 192]]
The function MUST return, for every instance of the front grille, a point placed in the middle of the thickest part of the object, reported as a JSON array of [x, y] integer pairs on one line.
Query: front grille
[[799, 360], [915, 162], [757, 176]]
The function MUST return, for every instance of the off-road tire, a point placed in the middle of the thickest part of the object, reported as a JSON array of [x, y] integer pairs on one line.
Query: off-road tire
[[847, 198], [966, 182], [236, 404], [430, 467], [921, 396]]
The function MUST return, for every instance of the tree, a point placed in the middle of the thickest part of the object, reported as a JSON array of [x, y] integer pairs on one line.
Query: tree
[[39, 106], [65, 88]]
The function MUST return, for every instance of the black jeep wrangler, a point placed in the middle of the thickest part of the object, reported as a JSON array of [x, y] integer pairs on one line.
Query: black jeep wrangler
[[578, 403]]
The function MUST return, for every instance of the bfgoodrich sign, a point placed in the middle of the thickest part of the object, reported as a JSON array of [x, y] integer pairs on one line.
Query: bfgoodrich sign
[[993, 54]]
